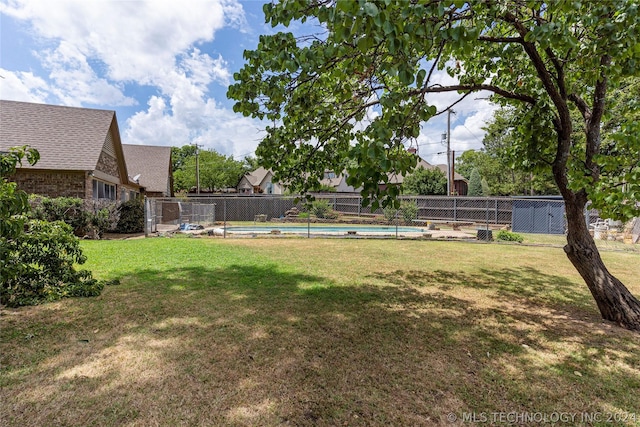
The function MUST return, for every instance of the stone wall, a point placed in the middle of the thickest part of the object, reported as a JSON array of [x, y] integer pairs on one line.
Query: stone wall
[[109, 165]]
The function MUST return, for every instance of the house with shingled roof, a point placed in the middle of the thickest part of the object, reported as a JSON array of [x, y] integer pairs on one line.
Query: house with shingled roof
[[460, 183], [260, 181], [150, 167], [80, 150]]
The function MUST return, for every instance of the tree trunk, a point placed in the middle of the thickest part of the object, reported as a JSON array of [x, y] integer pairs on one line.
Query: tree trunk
[[614, 300]]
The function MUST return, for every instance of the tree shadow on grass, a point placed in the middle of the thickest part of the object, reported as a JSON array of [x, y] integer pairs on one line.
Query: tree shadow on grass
[[256, 345]]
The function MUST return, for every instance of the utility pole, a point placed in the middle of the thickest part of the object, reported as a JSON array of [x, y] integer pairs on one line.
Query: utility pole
[[453, 173], [197, 168], [449, 171]]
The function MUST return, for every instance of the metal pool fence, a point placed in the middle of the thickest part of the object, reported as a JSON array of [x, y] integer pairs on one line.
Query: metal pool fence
[[537, 215]]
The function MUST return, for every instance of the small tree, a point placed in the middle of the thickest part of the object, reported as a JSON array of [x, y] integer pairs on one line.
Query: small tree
[[475, 184], [426, 182], [486, 191], [131, 217]]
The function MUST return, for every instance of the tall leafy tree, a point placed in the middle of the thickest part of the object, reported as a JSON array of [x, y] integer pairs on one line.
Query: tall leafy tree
[[426, 182], [217, 171], [506, 173], [179, 156], [542, 58]]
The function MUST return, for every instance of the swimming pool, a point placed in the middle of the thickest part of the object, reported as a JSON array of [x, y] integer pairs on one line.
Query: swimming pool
[[324, 229]]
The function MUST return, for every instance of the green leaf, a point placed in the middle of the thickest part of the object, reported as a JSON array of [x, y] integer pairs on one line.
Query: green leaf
[[422, 74], [405, 76], [371, 9]]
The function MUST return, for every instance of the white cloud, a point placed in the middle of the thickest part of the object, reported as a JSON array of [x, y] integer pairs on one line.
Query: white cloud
[[76, 82], [470, 116], [137, 40], [93, 50], [219, 129], [22, 86], [466, 131], [155, 126]]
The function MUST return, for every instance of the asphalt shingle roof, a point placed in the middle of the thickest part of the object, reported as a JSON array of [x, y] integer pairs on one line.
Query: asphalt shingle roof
[[151, 162], [257, 176], [67, 138]]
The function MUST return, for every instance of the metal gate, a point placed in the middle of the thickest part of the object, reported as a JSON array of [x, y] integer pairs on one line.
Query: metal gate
[[538, 215]]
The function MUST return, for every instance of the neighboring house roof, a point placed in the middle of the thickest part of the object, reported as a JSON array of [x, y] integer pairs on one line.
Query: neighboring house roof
[[152, 163], [257, 177], [333, 182], [67, 138], [399, 179], [456, 175]]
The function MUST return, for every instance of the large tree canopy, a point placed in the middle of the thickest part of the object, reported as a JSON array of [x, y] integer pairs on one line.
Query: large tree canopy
[[361, 87], [425, 182], [506, 174], [217, 172]]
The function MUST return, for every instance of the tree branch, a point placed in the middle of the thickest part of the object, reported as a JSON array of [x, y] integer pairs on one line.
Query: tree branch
[[475, 88], [593, 123], [582, 106], [454, 104], [559, 70], [562, 121], [501, 39]]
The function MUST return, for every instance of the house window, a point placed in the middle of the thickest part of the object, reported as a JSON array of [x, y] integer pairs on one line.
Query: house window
[[329, 175], [132, 195], [103, 190], [269, 188]]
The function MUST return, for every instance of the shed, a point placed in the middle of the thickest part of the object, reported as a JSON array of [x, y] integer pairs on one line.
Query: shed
[[538, 214]]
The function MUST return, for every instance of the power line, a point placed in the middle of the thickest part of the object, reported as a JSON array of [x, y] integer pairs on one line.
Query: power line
[[472, 134]]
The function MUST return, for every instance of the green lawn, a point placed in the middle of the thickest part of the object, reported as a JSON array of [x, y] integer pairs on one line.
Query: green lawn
[[320, 332]]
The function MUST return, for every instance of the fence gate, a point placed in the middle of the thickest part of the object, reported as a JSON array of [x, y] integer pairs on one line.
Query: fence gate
[[538, 215]]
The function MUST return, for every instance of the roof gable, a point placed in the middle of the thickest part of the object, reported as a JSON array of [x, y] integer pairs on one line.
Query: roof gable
[[258, 176], [67, 138], [152, 163]]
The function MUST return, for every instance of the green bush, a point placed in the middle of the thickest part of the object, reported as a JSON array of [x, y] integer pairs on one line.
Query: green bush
[[67, 209], [508, 236], [85, 218], [390, 213], [321, 209], [37, 257], [409, 211], [39, 266], [131, 217]]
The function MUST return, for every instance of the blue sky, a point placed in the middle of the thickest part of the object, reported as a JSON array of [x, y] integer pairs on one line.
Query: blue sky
[[164, 67]]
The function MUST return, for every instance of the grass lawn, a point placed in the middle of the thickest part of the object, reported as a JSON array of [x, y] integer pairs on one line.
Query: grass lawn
[[322, 332]]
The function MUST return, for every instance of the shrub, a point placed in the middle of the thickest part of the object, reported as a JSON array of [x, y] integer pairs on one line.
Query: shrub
[[390, 213], [67, 209], [39, 266], [321, 209], [409, 211], [86, 218], [131, 217], [508, 236], [104, 214], [426, 182], [37, 257]]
